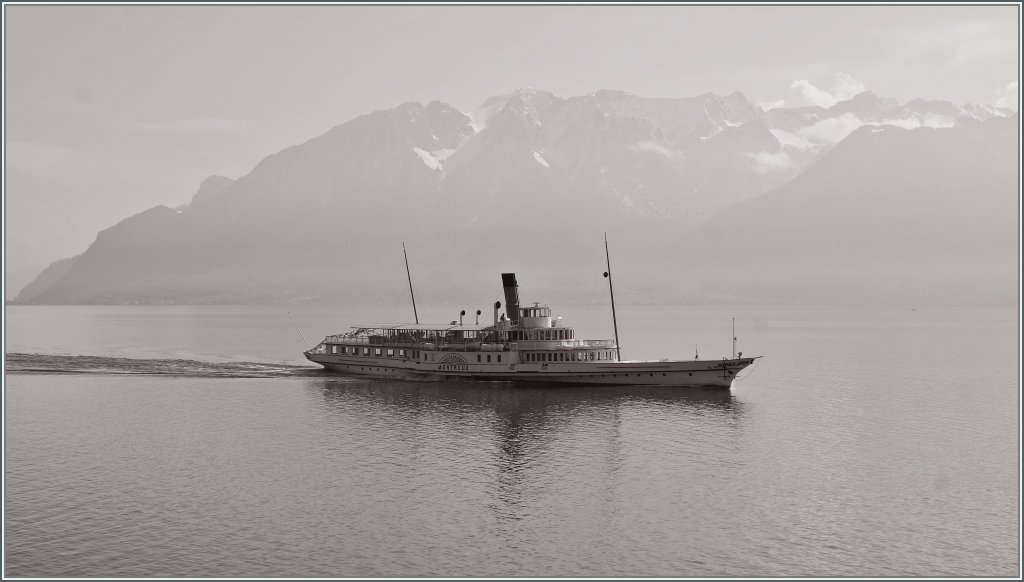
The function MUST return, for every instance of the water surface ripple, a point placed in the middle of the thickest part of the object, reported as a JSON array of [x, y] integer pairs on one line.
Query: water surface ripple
[[867, 443]]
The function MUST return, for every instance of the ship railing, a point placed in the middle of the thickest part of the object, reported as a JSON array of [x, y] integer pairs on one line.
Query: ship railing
[[586, 343], [345, 338], [467, 346]]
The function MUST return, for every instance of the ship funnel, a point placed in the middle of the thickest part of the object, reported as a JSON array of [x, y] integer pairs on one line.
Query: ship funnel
[[508, 281], [461, 314], [497, 306], [478, 317]]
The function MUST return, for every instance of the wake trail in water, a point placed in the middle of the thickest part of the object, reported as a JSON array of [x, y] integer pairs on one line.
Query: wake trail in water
[[63, 364]]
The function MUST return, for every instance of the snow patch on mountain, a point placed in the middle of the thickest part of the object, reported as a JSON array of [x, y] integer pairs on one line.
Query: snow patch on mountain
[[768, 162], [787, 139], [650, 146], [831, 130], [927, 120], [540, 160], [428, 159], [442, 155], [478, 118]]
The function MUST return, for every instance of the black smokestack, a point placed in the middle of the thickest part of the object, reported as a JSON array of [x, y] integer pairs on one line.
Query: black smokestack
[[508, 281]]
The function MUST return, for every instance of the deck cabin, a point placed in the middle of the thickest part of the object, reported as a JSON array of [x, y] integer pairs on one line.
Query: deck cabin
[[537, 338]]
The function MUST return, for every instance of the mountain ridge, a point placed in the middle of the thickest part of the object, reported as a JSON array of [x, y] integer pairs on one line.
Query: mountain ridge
[[523, 170]]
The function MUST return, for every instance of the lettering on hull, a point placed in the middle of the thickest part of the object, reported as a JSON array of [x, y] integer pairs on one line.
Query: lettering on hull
[[453, 363]]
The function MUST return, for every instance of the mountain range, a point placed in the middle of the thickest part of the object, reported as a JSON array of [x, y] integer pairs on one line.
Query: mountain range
[[708, 197]]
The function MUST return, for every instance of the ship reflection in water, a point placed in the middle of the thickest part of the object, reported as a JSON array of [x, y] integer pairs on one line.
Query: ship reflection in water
[[521, 447]]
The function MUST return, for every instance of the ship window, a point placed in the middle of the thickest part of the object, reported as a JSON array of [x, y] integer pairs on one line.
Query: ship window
[[366, 351], [478, 358], [391, 353], [376, 351], [488, 358], [499, 358], [334, 349], [401, 353]]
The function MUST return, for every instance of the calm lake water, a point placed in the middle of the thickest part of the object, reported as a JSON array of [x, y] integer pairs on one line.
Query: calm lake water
[[196, 441]]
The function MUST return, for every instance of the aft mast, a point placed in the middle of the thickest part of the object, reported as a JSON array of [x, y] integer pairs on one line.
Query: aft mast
[[407, 274], [608, 274]]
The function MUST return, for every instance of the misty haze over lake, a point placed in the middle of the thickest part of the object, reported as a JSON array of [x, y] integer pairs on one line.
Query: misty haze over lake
[[194, 195], [828, 191]]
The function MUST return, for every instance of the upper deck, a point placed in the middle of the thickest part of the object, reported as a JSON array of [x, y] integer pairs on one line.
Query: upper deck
[[524, 329]]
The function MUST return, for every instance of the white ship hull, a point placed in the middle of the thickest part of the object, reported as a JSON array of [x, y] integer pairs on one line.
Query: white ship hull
[[696, 373]]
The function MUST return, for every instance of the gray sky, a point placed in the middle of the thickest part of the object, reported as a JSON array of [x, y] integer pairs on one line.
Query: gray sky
[[111, 110]]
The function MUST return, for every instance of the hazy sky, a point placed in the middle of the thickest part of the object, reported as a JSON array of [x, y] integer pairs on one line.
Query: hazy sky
[[113, 109]]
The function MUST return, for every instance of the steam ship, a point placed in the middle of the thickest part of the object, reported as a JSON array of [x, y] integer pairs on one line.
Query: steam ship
[[525, 344]]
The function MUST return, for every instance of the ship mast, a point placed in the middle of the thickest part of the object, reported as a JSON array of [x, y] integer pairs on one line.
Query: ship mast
[[608, 274], [411, 294]]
